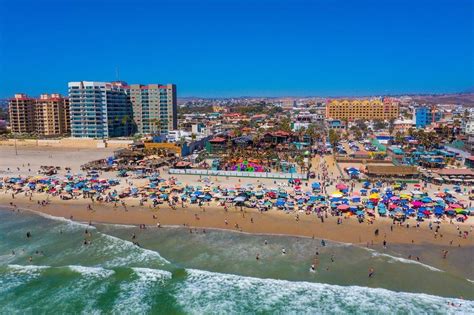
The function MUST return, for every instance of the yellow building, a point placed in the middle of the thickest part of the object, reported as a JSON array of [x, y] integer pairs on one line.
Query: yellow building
[[362, 109]]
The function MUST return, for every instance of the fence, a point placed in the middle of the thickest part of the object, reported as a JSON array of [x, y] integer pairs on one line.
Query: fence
[[237, 174]]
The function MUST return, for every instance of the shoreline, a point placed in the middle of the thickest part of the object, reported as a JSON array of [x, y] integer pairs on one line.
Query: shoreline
[[249, 221]]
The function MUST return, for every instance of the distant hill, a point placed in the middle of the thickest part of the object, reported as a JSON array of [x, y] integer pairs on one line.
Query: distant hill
[[458, 98]]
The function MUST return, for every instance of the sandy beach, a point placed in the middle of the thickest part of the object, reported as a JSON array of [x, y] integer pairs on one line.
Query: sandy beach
[[212, 215]]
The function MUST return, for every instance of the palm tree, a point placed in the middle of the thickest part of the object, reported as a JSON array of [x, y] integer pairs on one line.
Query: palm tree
[[333, 137], [391, 125], [399, 138]]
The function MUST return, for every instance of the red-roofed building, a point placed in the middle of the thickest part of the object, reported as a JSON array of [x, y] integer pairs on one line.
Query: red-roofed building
[[277, 137], [234, 117], [216, 145]]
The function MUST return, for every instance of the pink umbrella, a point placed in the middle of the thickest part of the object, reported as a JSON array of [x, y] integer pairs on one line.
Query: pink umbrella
[[394, 198], [342, 207], [417, 203], [341, 186]]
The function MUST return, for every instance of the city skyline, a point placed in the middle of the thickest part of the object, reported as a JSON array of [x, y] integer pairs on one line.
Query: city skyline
[[240, 48]]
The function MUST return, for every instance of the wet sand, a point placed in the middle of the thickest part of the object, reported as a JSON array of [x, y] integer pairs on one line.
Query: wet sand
[[270, 222]]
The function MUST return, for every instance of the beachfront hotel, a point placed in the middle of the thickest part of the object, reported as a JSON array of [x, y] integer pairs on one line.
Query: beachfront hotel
[[154, 107], [100, 110], [47, 115], [366, 109], [21, 110], [52, 115]]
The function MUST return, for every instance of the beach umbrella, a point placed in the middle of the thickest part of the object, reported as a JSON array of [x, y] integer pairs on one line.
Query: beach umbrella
[[337, 194], [343, 207], [280, 202], [426, 199], [417, 204]]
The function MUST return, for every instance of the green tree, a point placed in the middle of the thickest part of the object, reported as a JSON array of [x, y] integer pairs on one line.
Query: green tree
[[333, 137], [379, 125], [285, 124], [391, 125], [399, 139]]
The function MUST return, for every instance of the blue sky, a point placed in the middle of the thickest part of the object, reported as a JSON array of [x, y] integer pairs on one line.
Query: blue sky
[[234, 48]]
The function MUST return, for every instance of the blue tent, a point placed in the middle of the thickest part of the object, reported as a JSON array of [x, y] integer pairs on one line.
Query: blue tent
[[316, 185]]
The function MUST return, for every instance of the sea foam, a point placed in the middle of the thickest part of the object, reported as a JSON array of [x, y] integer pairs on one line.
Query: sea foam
[[136, 296], [97, 272], [392, 259], [131, 253], [208, 292]]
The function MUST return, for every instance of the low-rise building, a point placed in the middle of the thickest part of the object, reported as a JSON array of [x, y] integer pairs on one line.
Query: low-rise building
[[426, 115]]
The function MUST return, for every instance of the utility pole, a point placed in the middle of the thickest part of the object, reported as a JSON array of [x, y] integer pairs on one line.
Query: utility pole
[[16, 150]]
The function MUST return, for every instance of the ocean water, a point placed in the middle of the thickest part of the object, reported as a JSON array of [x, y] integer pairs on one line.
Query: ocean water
[[216, 272]]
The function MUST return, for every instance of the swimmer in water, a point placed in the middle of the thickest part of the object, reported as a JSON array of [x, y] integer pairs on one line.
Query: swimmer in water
[[371, 272], [265, 242], [283, 251], [313, 268]]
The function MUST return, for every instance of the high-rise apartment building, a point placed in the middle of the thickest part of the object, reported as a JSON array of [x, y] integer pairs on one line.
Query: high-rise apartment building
[[362, 109], [47, 115], [100, 109], [154, 107], [52, 115], [21, 109]]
